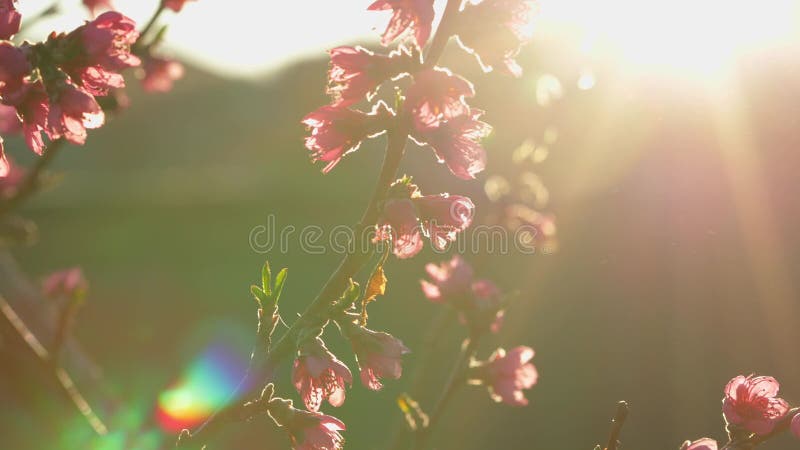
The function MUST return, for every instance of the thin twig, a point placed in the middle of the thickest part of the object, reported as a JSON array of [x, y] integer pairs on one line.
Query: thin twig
[[32, 181], [153, 20], [454, 381], [62, 378], [428, 344]]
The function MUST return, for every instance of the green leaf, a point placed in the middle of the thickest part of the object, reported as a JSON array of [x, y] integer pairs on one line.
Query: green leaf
[[266, 279], [279, 281], [352, 293], [260, 296]]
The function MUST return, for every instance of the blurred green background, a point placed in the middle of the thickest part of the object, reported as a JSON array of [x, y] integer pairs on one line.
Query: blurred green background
[[676, 268]]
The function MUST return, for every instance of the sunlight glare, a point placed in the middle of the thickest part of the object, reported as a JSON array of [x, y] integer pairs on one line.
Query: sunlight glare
[[698, 37]]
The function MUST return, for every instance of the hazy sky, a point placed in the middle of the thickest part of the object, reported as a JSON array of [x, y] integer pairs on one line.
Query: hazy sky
[[249, 37]]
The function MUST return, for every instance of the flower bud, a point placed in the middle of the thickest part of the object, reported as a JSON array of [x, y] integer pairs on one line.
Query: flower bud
[[66, 283]]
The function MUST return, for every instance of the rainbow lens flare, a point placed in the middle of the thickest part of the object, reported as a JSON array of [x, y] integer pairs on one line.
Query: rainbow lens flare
[[210, 383]]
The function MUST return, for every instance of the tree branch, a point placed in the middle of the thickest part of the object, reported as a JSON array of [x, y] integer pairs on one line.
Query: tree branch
[[616, 425]]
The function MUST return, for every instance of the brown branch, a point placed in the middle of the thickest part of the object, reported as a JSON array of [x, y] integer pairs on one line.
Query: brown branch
[[616, 425]]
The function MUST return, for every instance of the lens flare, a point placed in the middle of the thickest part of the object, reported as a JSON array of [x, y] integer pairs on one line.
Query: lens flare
[[209, 383]]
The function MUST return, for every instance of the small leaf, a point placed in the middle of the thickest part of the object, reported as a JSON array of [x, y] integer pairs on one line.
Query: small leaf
[[375, 287], [279, 281], [266, 279], [260, 296], [350, 295]]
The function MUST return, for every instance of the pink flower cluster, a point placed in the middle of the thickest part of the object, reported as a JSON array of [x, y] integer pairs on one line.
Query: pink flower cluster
[[52, 88], [408, 216], [479, 306], [433, 111], [53, 85], [477, 301]]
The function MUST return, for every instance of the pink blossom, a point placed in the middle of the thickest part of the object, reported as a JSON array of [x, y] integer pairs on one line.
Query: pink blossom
[[495, 30], [456, 143], [752, 403], [159, 74], [107, 42], [318, 375], [507, 374], [437, 95], [98, 5], [315, 431], [10, 122], [337, 131], [400, 224], [416, 15], [175, 5], [356, 72], [66, 283], [408, 215], [96, 80], [796, 425], [10, 19], [701, 444], [14, 68], [72, 113], [478, 301], [379, 356], [34, 109], [450, 280], [443, 216]]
